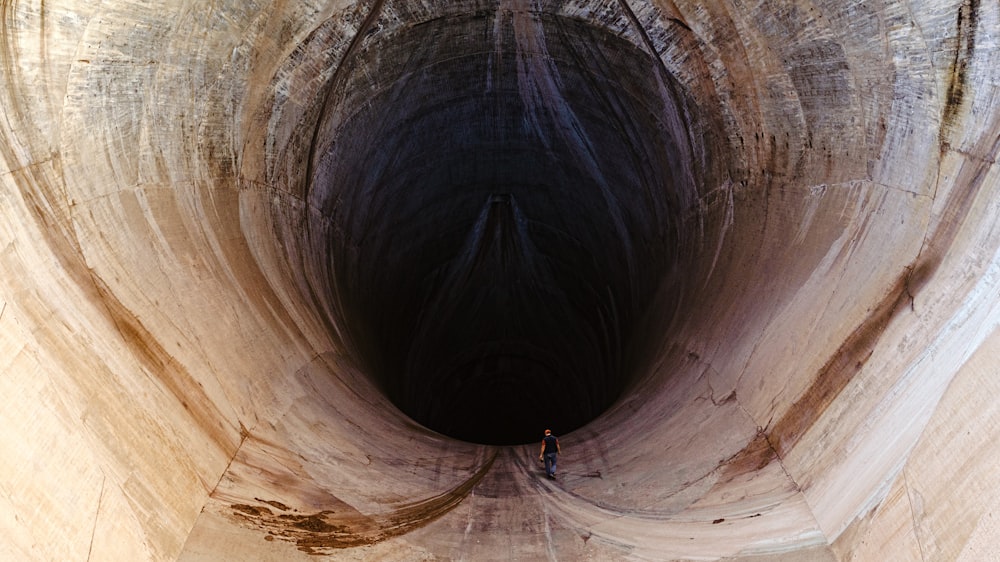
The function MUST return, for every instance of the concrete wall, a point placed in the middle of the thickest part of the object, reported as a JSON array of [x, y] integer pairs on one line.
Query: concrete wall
[[809, 370]]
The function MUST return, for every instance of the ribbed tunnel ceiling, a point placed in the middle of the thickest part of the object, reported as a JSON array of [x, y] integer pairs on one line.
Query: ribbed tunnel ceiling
[[288, 280]]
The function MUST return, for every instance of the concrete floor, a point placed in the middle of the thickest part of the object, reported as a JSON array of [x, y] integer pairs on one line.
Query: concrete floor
[[306, 280]]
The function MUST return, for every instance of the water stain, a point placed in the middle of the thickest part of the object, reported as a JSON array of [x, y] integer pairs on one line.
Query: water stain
[[159, 363], [967, 20], [325, 531], [753, 458], [852, 355], [848, 360]]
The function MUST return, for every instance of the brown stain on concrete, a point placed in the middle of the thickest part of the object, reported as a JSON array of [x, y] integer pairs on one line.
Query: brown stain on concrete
[[324, 531], [753, 458], [851, 356], [167, 371], [847, 361], [42, 188], [853, 353], [967, 19]]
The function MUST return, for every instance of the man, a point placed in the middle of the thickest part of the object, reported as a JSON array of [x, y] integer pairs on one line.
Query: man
[[550, 450]]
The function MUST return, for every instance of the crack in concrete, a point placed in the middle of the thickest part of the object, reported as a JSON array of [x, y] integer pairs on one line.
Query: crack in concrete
[[244, 434], [762, 433], [913, 517], [97, 514]]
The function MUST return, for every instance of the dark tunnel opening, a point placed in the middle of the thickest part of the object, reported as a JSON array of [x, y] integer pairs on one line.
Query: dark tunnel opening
[[503, 193]]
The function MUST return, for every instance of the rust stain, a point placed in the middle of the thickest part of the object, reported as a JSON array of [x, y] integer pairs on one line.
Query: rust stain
[[252, 510], [838, 371], [851, 356], [327, 530], [160, 364], [754, 457], [967, 20], [42, 188], [275, 504]]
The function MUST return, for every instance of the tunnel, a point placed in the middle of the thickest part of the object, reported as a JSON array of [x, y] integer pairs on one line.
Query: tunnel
[[308, 280], [492, 245]]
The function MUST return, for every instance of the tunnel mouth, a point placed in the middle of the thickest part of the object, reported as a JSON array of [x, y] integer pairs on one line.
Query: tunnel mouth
[[500, 195]]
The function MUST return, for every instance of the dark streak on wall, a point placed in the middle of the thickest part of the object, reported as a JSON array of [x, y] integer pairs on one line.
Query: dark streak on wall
[[325, 531], [966, 23]]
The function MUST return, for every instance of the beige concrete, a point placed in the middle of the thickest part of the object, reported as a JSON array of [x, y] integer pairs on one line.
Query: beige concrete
[[175, 386]]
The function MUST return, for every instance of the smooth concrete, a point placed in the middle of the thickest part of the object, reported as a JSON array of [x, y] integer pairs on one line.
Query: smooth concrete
[[742, 257]]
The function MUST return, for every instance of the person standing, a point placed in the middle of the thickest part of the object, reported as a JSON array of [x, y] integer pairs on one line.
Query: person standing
[[550, 450]]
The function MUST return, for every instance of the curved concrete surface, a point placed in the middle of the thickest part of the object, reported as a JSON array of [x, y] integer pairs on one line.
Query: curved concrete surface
[[293, 279]]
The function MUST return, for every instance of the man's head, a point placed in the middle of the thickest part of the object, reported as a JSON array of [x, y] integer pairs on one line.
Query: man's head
[[548, 432]]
